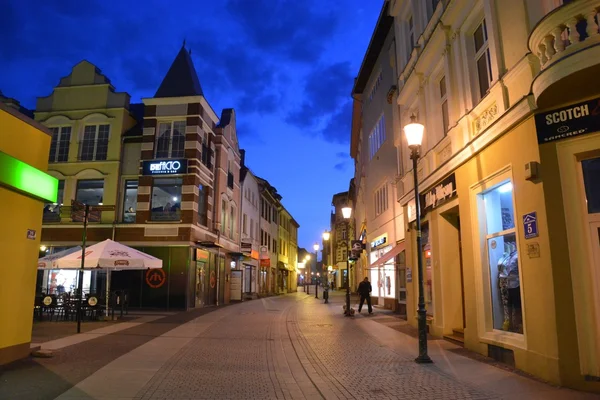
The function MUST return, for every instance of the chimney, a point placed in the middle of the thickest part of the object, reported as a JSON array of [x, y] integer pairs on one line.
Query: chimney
[[243, 157]]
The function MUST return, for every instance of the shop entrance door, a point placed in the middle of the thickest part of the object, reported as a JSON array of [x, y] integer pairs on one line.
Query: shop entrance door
[[200, 285]]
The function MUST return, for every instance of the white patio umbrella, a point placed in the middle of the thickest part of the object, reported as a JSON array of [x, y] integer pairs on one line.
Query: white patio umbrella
[[109, 255], [49, 261]]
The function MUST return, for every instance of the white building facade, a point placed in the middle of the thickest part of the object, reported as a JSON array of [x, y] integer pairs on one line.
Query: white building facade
[[252, 284]]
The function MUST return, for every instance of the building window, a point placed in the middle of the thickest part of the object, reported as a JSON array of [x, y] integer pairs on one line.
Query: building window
[[130, 201], [59, 146], [381, 200], [411, 37], [377, 137], [376, 85], [344, 234], [202, 205], [223, 217], [166, 199], [274, 246], [244, 224], [252, 229], [502, 257], [444, 103], [52, 210], [94, 146], [90, 192], [268, 242], [482, 59], [171, 139], [231, 222]]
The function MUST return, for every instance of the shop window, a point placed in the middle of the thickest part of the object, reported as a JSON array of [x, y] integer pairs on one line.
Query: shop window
[[90, 192], [171, 139], [59, 145], [94, 146], [591, 177], [502, 258], [202, 205], [52, 210], [166, 199], [130, 201]]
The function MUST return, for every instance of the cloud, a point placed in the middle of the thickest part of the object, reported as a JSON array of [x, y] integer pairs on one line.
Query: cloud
[[289, 28], [341, 166], [327, 107]]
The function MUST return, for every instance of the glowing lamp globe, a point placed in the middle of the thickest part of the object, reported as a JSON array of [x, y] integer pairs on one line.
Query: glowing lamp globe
[[346, 212], [414, 132], [326, 235]]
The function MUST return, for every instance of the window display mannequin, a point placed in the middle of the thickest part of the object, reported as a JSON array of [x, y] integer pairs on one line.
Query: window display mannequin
[[508, 281]]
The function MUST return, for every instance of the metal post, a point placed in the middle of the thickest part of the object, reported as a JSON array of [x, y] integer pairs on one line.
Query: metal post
[[316, 279], [348, 314], [80, 283], [423, 357]]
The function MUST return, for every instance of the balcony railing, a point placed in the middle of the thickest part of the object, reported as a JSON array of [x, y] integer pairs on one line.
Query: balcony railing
[[566, 30]]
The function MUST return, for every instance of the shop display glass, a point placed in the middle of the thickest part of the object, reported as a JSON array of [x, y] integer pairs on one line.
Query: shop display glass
[[166, 199], [591, 177], [130, 201], [502, 257]]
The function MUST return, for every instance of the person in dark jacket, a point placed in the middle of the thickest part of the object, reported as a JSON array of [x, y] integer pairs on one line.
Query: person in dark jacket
[[364, 290]]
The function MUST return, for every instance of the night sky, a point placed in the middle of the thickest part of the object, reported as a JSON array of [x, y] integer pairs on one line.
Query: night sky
[[287, 67]]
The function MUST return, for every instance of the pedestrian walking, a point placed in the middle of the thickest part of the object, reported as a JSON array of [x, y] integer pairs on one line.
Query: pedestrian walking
[[364, 290], [332, 285]]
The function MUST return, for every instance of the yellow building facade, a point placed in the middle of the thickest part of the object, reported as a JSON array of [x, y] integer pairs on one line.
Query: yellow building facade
[[509, 178], [24, 187]]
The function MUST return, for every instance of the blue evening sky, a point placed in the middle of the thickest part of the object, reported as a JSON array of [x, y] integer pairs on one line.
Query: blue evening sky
[[287, 68]]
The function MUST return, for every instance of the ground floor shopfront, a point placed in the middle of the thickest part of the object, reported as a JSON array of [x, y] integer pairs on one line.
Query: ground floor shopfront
[[510, 255]]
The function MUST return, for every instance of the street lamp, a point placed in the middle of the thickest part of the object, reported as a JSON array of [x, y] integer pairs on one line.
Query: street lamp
[[308, 280], [346, 213], [316, 247], [326, 236], [414, 137]]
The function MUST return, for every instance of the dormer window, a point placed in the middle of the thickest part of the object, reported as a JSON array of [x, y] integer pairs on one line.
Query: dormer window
[[171, 139]]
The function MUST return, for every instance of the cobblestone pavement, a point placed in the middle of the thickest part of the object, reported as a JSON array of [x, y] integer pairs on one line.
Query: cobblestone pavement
[[292, 347]]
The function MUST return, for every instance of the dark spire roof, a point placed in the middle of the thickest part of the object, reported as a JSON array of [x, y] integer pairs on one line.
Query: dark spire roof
[[182, 79]]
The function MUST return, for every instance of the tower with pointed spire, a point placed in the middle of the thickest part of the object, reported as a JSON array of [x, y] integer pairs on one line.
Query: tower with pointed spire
[[188, 191]]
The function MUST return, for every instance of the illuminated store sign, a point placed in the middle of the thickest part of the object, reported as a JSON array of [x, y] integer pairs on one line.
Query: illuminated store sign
[[164, 167], [379, 241], [23, 177]]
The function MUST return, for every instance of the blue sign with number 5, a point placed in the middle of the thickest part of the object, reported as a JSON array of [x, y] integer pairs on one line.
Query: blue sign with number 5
[[530, 225]]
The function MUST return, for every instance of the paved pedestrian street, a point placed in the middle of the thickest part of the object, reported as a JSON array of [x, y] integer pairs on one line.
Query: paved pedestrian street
[[285, 347]]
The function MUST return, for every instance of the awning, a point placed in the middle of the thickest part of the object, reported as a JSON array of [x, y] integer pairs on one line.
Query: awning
[[389, 255]]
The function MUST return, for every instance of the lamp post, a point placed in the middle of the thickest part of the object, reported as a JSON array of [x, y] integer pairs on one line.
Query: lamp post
[[326, 236], [346, 213], [414, 137], [316, 247], [308, 280]]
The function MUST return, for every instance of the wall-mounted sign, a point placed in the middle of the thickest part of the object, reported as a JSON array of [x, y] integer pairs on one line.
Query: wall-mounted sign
[[265, 262], [254, 254], [20, 176], [530, 225], [442, 192], [246, 247], [155, 278], [408, 274], [165, 167], [202, 255], [379, 241], [563, 123], [31, 234]]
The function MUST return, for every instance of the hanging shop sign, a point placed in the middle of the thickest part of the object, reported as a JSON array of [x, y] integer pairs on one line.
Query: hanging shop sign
[[246, 247], [165, 167], [442, 192], [265, 262], [563, 123]]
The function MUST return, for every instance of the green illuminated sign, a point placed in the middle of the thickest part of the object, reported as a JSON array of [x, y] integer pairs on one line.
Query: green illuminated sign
[[23, 177]]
